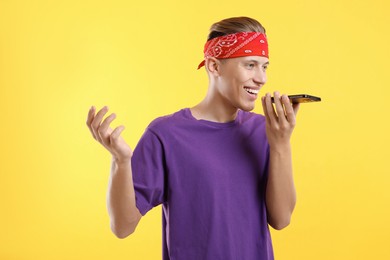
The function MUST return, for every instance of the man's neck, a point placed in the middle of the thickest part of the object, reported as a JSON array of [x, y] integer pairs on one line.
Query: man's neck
[[212, 109]]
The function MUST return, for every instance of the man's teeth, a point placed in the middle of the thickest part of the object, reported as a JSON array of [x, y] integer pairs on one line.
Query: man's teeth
[[251, 91]]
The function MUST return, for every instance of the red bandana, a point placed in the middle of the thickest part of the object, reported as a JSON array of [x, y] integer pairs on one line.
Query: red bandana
[[236, 45]]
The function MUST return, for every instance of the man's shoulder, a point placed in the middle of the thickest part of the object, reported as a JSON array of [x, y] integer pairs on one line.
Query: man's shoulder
[[167, 122]]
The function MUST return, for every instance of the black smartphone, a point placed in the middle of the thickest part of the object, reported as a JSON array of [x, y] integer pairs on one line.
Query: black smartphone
[[301, 98]]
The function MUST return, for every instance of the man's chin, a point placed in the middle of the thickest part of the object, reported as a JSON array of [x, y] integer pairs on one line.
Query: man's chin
[[247, 108]]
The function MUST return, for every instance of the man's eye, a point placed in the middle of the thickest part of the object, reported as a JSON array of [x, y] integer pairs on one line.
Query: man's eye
[[265, 67], [250, 65]]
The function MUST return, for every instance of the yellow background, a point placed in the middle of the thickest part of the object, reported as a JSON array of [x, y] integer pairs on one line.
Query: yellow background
[[57, 58]]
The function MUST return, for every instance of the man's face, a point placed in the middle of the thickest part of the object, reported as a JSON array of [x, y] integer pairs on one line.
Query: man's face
[[240, 80]]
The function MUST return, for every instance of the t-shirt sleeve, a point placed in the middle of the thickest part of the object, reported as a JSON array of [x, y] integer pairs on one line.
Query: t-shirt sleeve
[[148, 170]]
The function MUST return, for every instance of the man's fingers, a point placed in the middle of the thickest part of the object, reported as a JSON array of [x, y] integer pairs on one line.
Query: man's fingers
[[104, 127], [296, 108], [289, 110], [270, 109], [116, 133], [265, 110], [90, 117], [279, 107], [106, 123], [97, 120], [91, 114]]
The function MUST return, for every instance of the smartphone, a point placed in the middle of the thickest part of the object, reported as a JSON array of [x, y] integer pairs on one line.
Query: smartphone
[[301, 98]]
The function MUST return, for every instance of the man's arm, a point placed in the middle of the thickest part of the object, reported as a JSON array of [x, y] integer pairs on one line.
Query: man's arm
[[280, 193], [124, 215]]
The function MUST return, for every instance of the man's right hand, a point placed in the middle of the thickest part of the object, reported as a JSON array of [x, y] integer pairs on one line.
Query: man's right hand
[[110, 139]]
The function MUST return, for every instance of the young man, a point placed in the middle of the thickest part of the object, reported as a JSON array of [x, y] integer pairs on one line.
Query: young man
[[221, 172]]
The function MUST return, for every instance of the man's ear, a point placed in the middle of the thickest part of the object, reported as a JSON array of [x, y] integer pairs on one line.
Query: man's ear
[[213, 65]]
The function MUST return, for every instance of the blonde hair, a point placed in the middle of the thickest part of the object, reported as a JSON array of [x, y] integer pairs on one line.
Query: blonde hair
[[234, 25]]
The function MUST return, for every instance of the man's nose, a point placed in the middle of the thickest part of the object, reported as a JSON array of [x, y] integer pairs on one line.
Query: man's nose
[[260, 76]]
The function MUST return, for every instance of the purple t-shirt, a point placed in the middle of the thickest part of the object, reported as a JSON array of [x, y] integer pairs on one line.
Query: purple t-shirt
[[210, 179]]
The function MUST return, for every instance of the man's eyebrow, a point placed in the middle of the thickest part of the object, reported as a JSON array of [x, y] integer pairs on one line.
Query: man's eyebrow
[[257, 62]]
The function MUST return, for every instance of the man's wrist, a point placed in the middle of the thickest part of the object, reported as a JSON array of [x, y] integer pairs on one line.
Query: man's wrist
[[121, 162], [281, 148]]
